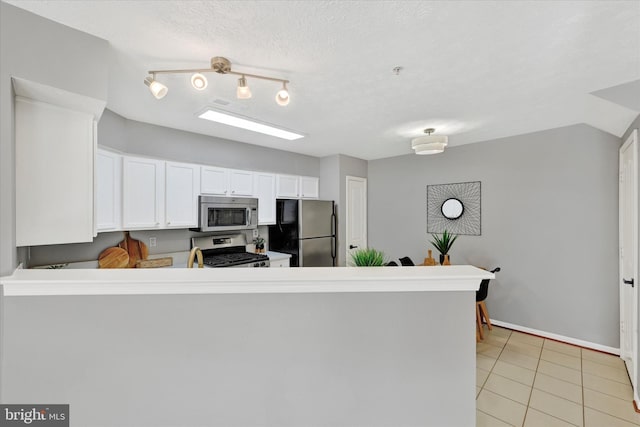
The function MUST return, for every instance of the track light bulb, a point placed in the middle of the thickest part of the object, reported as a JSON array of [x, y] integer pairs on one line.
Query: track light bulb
[[282, 97], [198, 81], [157, 89], [243, 91]]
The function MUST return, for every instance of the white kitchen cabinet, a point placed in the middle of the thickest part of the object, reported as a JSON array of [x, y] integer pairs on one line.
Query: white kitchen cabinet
[[278, 259], [287, 186], [182, 186], [214, 181], [309, 187], [108, 191], [240, 183], [279, 263], [142, 193], [54, 174], [265, 191]]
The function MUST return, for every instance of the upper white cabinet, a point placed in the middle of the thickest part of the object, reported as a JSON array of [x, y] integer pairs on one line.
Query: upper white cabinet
[[108, 191], [182, 186], [287, 186], [226, 182], [240, 183], [142, 193], [265, 191], [214, 180], [55, 149], [309, 187], [295, 187]]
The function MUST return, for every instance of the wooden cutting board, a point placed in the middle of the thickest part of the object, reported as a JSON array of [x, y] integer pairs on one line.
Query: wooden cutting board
[[113, 258], [155, 263], [135, 248]]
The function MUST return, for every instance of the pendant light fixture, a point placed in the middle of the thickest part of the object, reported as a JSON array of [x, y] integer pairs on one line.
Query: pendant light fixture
[[429, 144], [219, 65]]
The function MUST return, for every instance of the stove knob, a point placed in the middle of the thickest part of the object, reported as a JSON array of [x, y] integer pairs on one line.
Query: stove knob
[[263, 264], [256, 265]]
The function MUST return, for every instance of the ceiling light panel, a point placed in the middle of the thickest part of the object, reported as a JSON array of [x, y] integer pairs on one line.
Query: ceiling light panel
[[248, 124]]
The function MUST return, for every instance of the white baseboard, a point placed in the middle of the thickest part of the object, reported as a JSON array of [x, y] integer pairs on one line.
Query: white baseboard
[[557, 337]]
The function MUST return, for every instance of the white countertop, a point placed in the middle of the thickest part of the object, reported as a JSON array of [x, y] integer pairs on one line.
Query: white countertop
[[275, 256], [242, 280]]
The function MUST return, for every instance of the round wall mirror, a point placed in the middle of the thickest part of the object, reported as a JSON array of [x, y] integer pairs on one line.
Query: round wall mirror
[[452, 208]]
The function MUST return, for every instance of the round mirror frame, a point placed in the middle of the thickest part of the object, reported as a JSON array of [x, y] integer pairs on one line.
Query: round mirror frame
[[452, 208]]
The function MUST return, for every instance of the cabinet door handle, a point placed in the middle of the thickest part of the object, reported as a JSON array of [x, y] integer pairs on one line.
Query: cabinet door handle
[[352, 247], [628, 282]]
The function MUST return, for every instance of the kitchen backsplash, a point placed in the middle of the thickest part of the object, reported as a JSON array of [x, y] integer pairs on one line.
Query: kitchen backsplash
[[166, 241]]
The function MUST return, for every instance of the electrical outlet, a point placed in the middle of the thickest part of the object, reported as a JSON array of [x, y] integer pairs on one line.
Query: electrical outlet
[[152, 242], [255, 232]]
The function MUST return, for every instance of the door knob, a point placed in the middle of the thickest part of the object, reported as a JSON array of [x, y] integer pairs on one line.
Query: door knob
[[628, 282], [352, 247]]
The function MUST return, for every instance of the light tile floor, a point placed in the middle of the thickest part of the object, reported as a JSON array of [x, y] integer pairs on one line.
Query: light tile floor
[[524, 380]]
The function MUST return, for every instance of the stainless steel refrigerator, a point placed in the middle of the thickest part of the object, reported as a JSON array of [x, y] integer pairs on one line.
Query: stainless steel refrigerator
[[306, 229]]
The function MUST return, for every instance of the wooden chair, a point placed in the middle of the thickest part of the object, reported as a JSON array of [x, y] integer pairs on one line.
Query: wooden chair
[[481, 308]]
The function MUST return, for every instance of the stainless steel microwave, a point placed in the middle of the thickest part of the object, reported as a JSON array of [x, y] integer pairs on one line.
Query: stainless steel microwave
[[227, 213]]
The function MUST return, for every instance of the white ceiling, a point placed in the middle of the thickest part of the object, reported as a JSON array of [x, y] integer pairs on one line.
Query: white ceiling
[[474, 70]]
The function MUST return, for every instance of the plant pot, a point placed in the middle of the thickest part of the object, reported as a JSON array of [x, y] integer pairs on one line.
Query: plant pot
[[442, 259]]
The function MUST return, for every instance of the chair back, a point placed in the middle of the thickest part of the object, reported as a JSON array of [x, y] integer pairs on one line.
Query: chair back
[[406, 261], [481, 294], [391, 264]]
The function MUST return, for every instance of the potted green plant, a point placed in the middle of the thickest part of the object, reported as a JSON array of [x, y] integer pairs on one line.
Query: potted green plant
[[259, 242], [443, 243], [368, 257]]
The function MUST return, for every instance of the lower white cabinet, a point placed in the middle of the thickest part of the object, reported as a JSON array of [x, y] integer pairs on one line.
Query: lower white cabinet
[[108, 191], [142, 193], [279, 263], [265, 191], [182, 186]]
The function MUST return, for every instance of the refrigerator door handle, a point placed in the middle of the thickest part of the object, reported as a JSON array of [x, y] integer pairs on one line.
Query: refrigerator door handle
[[334, 227], [333, 250]]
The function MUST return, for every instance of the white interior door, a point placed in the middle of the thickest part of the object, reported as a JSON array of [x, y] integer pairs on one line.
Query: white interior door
[[629, 257], [356, 215]]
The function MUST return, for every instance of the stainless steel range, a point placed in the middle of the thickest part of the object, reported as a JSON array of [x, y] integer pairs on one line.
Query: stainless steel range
[[228, 251]]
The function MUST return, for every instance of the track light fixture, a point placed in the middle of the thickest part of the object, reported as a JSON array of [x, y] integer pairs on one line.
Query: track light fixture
[[429, 144], [282, 97], [243, 91], [199, 82], [219, 65], [157, 89]]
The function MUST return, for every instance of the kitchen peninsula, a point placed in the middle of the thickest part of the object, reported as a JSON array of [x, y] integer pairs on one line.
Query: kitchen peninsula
[[236, 347]]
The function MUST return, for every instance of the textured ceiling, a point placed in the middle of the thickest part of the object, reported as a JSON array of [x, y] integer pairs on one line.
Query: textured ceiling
[[474, 70]]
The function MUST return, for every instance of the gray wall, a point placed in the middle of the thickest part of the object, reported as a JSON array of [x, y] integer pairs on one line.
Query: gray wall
[[333, 176], [43, 51], [549, 219], [172, 144], [350, 359]]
